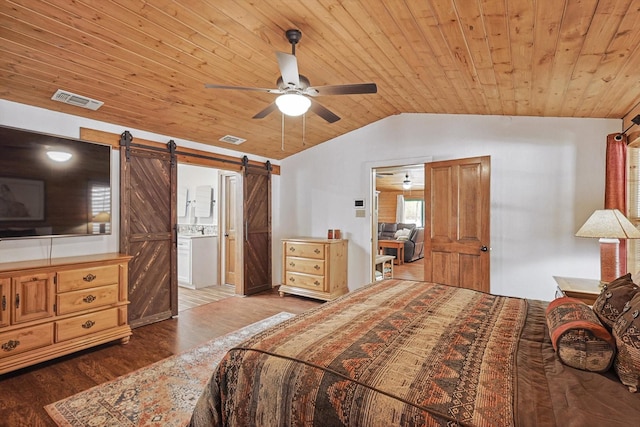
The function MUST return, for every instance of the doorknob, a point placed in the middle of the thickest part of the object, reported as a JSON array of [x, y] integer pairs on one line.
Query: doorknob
[[226, 234], [484, 248]]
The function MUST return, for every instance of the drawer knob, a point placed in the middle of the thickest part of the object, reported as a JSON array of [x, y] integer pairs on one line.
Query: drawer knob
[[316, 250], [89, 278], [292, 249], [317, 267], [10, 345], [89, 299], [292, 279], [316, 283], [292, 264], [88, 324]]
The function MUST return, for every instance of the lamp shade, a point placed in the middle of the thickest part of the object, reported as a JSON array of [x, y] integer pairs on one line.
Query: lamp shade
[[101, 217], [608, 223], [293, 104]]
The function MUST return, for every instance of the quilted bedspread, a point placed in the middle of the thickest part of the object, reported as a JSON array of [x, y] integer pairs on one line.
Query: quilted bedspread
[[394, 353]]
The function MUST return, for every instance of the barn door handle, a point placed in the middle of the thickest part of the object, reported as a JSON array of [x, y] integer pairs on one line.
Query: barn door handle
[[484, 248]]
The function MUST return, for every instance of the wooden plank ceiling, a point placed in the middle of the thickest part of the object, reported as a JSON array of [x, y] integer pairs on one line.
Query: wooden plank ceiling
[[148, 61]]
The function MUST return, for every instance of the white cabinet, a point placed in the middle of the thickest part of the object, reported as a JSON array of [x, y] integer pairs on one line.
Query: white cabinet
[[197, 261]]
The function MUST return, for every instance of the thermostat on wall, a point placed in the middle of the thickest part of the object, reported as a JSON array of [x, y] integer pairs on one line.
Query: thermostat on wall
[[358, 203]]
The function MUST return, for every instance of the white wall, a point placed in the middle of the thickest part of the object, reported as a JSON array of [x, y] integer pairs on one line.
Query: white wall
[[547, 176], [42, 120], [191, 177]]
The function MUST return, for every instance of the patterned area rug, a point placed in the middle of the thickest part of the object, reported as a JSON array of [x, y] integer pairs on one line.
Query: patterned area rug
[[162, 394]]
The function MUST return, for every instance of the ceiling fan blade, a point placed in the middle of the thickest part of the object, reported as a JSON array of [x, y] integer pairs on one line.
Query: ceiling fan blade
[[288, 69], [351, 89], [252, 89], [264, 113], [323, 112]]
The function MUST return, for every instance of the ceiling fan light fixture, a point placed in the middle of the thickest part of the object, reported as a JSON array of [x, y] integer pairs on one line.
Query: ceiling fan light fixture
[[406, 184], [293, 104]]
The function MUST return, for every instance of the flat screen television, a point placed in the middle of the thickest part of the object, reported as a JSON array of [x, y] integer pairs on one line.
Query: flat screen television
[[53, 186]]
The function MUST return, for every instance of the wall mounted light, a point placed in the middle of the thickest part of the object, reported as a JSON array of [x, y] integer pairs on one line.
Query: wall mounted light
[[293, 104]]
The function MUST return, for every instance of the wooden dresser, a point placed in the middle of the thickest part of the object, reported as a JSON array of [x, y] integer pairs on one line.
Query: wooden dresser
[[315, 268], [49, 308]]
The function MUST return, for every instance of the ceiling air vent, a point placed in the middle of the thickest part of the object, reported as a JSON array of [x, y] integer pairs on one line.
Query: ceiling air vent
[[232, 139], [77, 100]]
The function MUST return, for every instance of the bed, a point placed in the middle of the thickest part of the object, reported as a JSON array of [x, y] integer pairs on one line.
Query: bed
[[405, 353]]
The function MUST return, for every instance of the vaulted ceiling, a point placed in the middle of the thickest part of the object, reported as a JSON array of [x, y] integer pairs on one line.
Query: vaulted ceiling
[[149, 61]]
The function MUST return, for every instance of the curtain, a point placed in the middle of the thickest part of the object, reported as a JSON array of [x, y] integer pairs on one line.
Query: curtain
[[400, 208], [615, 191]]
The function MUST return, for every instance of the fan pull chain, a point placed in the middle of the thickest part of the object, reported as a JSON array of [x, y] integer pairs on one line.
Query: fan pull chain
[[304, 127], [282, 132]]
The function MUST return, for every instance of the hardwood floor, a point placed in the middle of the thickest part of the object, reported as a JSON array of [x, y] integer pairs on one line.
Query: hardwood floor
[[24, 393], [190, 298], [409, 270]]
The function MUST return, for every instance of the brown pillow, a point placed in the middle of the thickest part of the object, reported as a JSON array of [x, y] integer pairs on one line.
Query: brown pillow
[[626, 332], [578, 337], [609, 304]]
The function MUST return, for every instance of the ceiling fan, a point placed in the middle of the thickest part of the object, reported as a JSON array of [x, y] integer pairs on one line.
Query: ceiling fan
[[406, 184], [295, 90]]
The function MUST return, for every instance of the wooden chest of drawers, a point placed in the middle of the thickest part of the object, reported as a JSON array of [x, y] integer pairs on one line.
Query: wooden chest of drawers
[[315, 268], [50, 308]]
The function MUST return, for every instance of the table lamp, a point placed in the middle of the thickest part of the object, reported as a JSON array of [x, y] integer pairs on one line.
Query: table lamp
[[609, 225], [102, 218]]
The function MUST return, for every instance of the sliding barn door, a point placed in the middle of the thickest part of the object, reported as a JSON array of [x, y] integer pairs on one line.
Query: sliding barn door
[[457, 222], [257, 229], [147, 219]]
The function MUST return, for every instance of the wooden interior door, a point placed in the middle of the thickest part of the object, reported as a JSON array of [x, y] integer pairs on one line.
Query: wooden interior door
[[147, 231], [457, 222], [257, 230], [230, 231]]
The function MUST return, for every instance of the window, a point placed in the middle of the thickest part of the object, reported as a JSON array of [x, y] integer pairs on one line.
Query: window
[[414, 212], [633, 206]]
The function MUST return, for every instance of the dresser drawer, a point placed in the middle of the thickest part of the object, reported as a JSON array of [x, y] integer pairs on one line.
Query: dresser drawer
[[84, 299], [85, 278], [304, 250], [304, 265], [86, 324], [307, 281], [25, 339]]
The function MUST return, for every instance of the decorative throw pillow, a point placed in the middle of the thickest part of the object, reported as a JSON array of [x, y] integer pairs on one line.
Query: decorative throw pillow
[[626, 332], [609, 304], [403, 234], [578, 337]]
